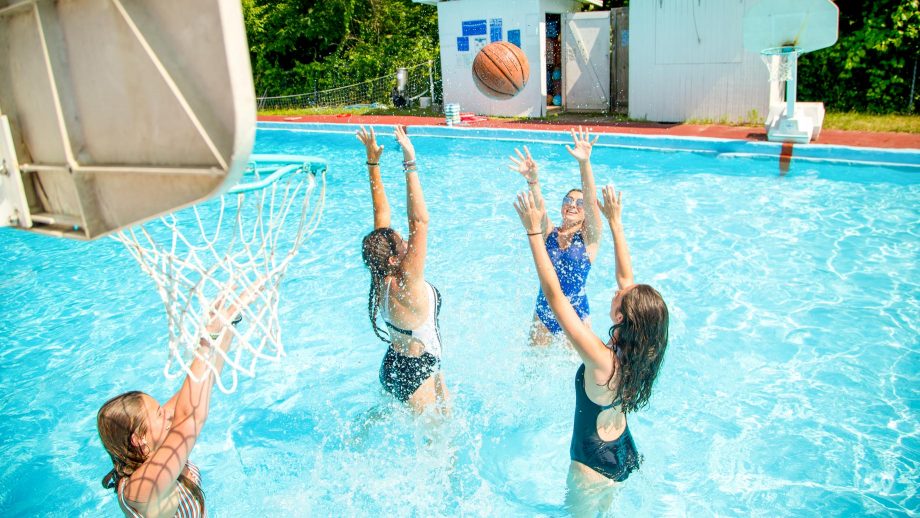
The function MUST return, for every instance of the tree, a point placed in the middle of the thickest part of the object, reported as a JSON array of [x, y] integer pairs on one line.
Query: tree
[[873, 64], [299, 45]]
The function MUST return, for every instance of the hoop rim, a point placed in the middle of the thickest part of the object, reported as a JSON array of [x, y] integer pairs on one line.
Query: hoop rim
[[283, 166], [781, 51]]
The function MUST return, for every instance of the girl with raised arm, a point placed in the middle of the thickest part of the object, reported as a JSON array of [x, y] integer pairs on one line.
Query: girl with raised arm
[[571, 246], [408, 304], [616, 376], [150, 443]]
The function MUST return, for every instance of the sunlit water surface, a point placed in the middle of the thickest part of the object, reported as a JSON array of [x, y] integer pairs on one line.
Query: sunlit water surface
[[790, 384]]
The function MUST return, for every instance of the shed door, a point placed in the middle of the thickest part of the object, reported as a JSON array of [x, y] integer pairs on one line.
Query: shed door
[[586, 61]]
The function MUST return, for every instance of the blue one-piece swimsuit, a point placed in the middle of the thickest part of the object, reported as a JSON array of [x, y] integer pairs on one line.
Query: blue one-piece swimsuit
[[572, 267]]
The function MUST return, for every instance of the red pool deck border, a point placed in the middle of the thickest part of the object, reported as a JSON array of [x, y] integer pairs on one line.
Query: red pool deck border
[[834, 137]]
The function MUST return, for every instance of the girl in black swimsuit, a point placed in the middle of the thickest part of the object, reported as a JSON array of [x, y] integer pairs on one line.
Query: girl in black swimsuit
[[617, 376]]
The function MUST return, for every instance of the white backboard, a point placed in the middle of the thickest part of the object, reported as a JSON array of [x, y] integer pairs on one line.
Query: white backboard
[[808, 24], [123, 110]]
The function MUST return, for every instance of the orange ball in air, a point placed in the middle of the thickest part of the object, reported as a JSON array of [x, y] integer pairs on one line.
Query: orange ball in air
[[500, 70]]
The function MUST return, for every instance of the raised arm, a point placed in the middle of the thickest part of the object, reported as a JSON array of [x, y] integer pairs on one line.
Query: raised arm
[[378, 194], [150, 486], [612, 210], [589, 346], [527, 168], [413, 265], [582, 153]]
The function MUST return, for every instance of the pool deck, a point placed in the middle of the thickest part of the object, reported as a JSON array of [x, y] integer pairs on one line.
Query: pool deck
[[889, 140]]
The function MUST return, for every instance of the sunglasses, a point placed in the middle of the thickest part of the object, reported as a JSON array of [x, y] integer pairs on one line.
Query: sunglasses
[[568, 200]]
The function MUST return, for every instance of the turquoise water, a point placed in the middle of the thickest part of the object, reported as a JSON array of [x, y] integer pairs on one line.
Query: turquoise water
[[791, 385]]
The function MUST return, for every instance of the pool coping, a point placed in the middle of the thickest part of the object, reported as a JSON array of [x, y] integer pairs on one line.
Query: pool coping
[[900, 158]]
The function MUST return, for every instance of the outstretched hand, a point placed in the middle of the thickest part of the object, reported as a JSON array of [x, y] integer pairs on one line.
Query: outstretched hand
[[524, 165], [403, 139], [583, 144], [530, 211], [228, 304], [369, 139], [612, 206]]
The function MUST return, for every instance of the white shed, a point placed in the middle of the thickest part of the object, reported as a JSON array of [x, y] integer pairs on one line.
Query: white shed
[[572, 70], [687, 61]]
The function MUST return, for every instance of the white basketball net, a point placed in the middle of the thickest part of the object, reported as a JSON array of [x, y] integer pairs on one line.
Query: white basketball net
[[781, 62], [223, 248]]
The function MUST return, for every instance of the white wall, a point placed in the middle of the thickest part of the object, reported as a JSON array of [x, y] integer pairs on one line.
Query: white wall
[[528, 16], [687, 61]]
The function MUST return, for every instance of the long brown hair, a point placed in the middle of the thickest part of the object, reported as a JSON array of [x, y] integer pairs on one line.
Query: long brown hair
[[117, 421], [376, 250], [640, 346]]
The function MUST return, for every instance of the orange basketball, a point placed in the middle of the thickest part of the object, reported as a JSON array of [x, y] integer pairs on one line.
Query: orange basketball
[[500, 70]]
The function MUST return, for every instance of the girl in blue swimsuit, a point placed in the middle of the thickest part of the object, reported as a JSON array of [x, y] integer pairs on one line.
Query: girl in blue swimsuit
[[617, 376], [571, 246], [409, 305]]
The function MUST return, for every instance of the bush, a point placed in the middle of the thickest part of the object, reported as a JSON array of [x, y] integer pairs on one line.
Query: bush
[[298, 46], [873, 65]]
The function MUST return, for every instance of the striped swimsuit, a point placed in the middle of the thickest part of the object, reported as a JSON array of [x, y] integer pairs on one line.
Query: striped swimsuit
[[188, 506]]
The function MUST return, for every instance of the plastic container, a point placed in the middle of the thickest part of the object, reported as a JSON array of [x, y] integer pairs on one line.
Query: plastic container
[[452, 113]]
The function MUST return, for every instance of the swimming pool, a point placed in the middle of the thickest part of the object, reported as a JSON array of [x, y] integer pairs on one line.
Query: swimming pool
[[791, 385]]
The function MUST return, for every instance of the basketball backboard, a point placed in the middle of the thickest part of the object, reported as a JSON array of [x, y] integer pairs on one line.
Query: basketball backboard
[[121, 110], [807, 24]]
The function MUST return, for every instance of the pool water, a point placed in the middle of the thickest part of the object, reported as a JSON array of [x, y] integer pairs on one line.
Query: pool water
[[791, 384]]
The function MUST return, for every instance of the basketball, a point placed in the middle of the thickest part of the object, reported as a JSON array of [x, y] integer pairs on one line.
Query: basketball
[[500, 70]]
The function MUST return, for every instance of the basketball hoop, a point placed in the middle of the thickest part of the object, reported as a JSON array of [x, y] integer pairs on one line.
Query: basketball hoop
[[220, 250], [781, 62]]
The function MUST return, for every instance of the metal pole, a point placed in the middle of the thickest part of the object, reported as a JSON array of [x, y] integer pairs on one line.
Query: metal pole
[[910, 105], [431, 79], [402, 79], [790, 86]]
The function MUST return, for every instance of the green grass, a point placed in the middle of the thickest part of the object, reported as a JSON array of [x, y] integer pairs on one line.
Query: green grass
[[838, 121], [875, 123], [412, 112]]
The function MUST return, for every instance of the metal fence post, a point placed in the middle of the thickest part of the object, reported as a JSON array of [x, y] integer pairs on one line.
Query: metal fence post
[[431, 80]]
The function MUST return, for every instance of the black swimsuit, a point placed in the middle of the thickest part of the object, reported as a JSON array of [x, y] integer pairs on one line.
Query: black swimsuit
[[614, 459], [402, 375]]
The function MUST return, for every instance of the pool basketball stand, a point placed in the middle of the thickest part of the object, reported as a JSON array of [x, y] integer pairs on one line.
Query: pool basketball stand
[[781, 31], [114, 112]]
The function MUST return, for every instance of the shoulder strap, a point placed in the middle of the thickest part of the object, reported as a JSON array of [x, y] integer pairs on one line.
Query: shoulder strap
[[122, 502]]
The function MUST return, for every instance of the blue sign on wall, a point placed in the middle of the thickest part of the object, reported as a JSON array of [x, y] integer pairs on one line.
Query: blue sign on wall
[[515, 37], [474, 27], [463, 44], [495, 29]]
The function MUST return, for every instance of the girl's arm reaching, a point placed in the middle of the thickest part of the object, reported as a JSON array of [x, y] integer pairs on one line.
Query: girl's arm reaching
[[529, 170], [378, 194], [612, 209], [413, 265], [582, 153]]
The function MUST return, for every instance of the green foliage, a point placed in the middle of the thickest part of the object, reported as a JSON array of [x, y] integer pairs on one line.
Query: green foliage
[[871, 67], [297, 46]]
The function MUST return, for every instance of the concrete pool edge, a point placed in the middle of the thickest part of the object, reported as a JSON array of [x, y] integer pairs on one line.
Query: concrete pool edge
[[908, 159]]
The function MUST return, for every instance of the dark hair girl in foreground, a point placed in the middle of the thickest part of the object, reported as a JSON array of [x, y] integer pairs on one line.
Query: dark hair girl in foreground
[[617, 375]]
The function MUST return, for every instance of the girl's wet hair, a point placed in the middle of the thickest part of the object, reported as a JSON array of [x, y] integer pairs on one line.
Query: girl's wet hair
[[575, 190], [641, 341], [120, 419], [376, 250]]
